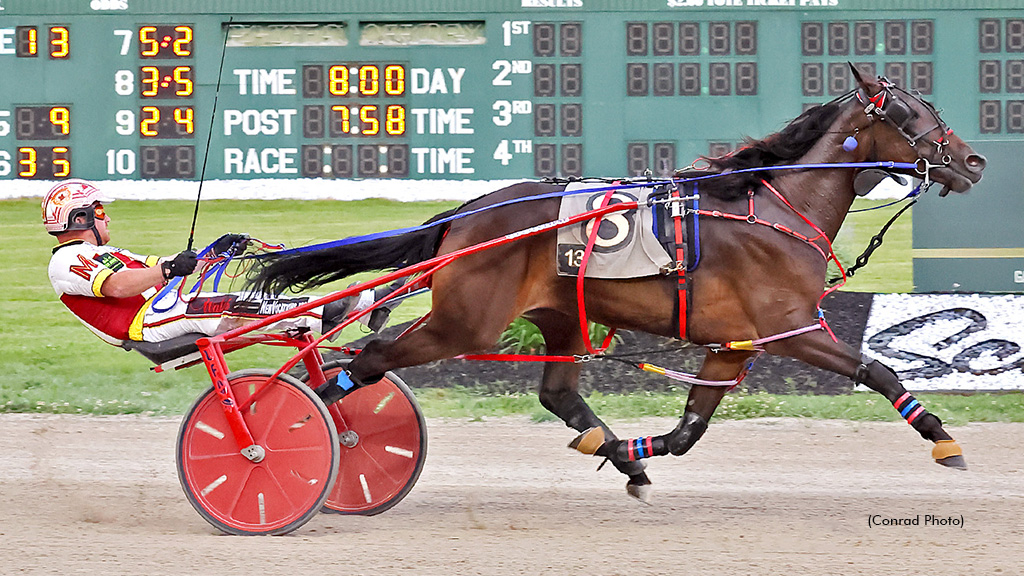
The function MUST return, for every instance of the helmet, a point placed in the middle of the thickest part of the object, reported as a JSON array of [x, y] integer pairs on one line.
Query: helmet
[[67, 201]]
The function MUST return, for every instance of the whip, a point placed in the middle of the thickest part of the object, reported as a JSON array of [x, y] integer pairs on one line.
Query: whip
[[209, 136]]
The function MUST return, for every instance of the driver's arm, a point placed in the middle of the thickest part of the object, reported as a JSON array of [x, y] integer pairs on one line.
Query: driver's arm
[[134, 281]]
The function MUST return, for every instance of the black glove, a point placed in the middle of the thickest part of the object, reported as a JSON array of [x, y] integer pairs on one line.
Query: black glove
[[230, 243], [181, 265]]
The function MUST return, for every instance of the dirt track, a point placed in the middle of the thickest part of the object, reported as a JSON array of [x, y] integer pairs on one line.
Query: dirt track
[[83, 495]]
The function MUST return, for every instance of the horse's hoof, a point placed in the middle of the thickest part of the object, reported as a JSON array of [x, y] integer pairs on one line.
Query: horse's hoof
[[641, 492], [589, 441], [956, 462]]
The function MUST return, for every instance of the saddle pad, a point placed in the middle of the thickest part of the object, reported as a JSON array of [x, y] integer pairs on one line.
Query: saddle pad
[[626, 245]]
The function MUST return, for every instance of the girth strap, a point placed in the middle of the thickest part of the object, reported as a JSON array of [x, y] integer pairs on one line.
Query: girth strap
[[678, 213]]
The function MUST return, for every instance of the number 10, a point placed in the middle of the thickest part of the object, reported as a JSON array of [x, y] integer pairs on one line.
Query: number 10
[[120, 162]]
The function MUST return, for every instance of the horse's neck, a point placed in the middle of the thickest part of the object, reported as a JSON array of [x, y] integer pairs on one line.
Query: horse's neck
[[824, 196]]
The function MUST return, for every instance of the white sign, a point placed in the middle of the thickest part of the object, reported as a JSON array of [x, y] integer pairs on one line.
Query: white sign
[[949, 342]]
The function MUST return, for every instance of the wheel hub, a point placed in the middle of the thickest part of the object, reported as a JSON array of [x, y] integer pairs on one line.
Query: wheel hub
[[348, 438]]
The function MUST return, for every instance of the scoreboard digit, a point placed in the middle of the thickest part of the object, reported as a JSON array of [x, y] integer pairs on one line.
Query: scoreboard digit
[[513, 89]]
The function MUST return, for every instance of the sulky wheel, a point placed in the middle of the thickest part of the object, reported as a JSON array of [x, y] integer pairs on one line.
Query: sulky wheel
[[383, 439], [288, 486]]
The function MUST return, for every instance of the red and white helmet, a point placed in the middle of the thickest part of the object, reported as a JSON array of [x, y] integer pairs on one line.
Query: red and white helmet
[[68, 200]]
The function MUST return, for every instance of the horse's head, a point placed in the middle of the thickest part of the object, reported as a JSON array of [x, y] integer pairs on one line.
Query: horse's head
[[909, 129]]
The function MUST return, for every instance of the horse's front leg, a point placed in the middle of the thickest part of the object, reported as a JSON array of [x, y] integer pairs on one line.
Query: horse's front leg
[[818, 349], [700, 405]]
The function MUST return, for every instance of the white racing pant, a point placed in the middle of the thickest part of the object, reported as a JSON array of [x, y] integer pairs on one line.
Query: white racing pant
[[214, 313]]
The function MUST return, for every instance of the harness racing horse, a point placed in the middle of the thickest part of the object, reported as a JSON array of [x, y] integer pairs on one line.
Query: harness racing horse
[[753, 282]]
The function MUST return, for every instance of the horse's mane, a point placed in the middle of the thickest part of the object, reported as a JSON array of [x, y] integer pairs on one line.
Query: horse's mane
[[780, 148]]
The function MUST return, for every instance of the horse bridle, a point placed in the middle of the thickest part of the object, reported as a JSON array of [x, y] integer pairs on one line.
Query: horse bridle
[[891, 109]]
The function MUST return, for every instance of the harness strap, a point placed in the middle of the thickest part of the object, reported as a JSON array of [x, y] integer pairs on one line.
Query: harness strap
[[831, 252], [522, 358], [580, 304], [681, 286], [691, 379]]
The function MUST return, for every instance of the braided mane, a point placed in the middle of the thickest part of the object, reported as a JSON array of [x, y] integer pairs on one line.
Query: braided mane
[[783, 147]]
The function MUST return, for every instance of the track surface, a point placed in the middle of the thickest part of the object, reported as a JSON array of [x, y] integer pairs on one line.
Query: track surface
[[88, 495]]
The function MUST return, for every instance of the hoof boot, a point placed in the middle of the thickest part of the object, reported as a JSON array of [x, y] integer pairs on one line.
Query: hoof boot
[[588, 442], [949, 454]]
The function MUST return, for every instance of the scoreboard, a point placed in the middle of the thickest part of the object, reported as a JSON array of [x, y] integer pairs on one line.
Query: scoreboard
[[467, 89]]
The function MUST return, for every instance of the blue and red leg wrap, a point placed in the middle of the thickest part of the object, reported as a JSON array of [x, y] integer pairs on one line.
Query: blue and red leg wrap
[[638, 448], [909, 407]]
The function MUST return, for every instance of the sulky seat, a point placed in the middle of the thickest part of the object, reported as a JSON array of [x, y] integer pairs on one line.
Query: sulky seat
[[166, 350]]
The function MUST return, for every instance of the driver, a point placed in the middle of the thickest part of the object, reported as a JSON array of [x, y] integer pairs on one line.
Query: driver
[[112, 290]]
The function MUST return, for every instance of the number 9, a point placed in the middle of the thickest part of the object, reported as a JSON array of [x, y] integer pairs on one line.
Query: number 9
[[125, 122]]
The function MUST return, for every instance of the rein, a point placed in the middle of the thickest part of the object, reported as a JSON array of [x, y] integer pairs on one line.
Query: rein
[[915, 166]]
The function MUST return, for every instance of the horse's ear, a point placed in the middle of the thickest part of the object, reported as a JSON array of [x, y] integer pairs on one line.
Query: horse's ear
[[865, 84]]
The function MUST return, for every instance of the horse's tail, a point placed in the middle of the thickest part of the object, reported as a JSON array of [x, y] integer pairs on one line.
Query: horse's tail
[[299, 271]]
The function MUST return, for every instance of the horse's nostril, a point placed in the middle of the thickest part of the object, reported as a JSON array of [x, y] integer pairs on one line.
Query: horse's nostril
[[975, 162]]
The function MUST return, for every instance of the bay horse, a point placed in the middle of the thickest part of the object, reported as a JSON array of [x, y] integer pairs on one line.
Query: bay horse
[[753, 282]]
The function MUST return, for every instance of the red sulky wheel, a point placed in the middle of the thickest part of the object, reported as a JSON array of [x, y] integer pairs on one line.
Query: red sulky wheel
[[383, 439], [288, 486]]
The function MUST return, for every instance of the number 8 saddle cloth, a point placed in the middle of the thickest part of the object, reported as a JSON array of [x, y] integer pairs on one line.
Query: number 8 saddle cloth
[[631, 243]]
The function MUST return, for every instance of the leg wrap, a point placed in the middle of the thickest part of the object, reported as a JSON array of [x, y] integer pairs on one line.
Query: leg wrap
[[909, 408], [883, 379], [337, 388], [677, 442], [928, 425], [576, 414]]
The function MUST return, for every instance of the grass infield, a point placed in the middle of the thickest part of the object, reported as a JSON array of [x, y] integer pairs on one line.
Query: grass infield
[[52, 364]]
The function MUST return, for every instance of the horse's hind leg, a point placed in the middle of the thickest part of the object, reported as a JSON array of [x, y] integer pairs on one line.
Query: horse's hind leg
[[559, 391], [818, 349], [456, 326]]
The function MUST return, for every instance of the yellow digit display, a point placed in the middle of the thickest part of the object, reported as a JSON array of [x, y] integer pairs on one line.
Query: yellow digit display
[[60, 117], [30, 42], [61, 165], [394, 120], [148, 44], [394, 80], [341, 122], [369, 80], [150, 119], [156, 41], [183, 45], [185, 117], [338, 85], [60, 42], [150, 81], [28, 162], [157, 81], [369, 120], [183, 77]]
